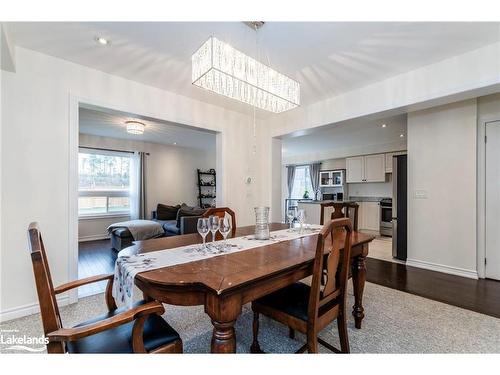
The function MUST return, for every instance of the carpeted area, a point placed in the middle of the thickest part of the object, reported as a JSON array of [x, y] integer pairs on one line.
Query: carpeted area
[[395, 322]]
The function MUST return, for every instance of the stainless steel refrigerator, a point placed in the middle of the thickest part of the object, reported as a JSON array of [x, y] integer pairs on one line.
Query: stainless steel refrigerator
[[399, 206]]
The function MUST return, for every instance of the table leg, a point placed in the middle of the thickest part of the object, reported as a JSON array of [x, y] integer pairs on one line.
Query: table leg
[[223, 311], [358, 282], [223, 337]]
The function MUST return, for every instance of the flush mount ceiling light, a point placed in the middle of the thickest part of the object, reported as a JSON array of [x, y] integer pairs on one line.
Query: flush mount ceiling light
[[384, 125], [401, 136], [220, 68], [135, 127], [102, 41]]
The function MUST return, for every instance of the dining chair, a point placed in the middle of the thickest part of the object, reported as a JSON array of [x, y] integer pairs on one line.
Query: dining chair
[[221, 213], [350, 210], [309, 309], [140, 329]]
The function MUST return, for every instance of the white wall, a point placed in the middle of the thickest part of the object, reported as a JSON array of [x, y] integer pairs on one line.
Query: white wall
[[170, 176], [442, 163], [35, 156]]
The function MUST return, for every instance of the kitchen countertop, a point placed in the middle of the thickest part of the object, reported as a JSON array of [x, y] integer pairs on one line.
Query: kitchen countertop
[[325, 201], [367, 199]]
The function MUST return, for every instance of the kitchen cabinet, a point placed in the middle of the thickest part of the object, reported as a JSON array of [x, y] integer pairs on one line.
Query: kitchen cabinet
[[355, 169], [375, 168], [369, 216], [369, 168], [388, 162], [324, 178], [331, 178]]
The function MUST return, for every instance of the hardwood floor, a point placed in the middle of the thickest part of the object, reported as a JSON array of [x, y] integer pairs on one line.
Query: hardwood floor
[[95, 258], [481, 295]]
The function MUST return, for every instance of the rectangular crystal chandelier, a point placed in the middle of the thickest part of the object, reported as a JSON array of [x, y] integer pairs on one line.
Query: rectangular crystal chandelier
[[220, 68]]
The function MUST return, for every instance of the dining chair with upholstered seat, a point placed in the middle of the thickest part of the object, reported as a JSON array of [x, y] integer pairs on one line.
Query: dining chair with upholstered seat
[[140, 329], [309, 309], [221, 213]]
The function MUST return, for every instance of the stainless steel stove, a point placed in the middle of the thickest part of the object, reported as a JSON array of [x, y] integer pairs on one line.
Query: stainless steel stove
[[386, 217]]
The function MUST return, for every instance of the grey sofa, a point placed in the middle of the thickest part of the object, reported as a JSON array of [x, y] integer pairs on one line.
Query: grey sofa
[[122, 238], [187, 224]]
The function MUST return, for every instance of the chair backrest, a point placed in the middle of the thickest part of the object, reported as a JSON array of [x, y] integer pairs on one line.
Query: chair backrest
[[334, 264], [49, 310], [351, 211], [221, 213]]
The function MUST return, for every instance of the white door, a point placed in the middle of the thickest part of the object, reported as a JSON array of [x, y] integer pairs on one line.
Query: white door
[[493, 200], [355, 169], [375, 168]]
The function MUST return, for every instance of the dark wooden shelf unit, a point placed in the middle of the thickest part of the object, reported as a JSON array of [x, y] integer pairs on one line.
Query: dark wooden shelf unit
[[209, 188]]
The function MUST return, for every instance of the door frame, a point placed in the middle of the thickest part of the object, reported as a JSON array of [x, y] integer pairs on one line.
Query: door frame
[[73, 131], [481, 193]]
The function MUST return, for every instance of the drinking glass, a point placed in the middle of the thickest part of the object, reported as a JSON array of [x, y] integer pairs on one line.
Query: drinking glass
[[291, 214], [202, 227], [213, 225], [224, 229], [302, 218]]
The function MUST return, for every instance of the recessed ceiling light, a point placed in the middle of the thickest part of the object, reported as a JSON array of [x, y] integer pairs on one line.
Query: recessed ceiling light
[[401, 136], [102, 41], [384, 125], [175, 143], [135, 127]]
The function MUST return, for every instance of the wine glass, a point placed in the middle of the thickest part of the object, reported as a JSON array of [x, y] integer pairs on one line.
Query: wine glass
[[224, 228], [202, 227], [291, 214], [213, 225]]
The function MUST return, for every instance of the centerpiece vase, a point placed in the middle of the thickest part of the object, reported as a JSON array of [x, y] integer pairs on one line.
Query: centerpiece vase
[[261, 223]]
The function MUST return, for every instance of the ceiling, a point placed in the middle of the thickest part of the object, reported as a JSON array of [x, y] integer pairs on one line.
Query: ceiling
[[327, 58], [352, 134], [107, 123]]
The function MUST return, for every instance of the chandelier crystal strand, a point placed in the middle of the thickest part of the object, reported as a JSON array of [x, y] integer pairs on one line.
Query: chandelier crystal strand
[[254, 145], [220, 68]]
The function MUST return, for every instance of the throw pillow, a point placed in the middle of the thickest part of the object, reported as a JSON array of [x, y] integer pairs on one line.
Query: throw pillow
[[165, 212], [188, 211]]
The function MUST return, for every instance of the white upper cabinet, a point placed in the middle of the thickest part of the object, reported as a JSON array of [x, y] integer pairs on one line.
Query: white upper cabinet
[[355, 169], [370, 168], [375, 168]]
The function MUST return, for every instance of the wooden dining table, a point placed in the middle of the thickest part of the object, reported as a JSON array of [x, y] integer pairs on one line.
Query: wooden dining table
[[224, 283]]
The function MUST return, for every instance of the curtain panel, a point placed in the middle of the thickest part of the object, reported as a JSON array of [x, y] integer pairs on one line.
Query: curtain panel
[[138, 206], [314, 170], [290, 176]]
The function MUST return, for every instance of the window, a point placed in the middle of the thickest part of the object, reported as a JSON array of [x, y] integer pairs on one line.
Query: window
[[302, 182], [103, 183]]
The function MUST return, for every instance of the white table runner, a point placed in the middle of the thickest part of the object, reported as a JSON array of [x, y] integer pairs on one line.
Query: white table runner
[[127, 267]]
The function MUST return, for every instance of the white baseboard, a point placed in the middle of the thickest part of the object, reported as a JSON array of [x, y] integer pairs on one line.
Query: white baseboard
[[471, 274], [29, 309], [94, 237]]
